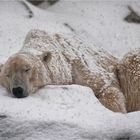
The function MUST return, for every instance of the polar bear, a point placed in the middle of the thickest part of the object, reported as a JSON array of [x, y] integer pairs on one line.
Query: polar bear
[[54, 59], [129, 78]]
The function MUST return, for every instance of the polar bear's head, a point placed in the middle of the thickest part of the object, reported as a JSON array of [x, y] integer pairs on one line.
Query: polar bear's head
[[23, 74]]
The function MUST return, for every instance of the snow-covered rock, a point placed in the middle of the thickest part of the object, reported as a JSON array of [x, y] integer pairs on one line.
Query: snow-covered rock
[[63, 113]]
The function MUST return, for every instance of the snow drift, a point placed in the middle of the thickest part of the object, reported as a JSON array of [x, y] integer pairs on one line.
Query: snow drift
[[63, 113]]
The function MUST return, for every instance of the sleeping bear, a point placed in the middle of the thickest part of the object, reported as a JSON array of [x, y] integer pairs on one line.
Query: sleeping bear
[[54, 59]]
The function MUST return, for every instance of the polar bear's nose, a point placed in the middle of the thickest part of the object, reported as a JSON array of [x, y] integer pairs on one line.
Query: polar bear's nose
[[18, 92]]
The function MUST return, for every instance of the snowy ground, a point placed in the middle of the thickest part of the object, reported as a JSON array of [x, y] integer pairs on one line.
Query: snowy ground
[[67, 112]]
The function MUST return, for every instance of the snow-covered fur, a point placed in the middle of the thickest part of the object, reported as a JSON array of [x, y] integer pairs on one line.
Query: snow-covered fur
[[129, 77], [67, 59]]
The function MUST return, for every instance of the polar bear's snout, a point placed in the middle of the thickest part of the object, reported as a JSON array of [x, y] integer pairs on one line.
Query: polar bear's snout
[[18, 86], [19, 92]]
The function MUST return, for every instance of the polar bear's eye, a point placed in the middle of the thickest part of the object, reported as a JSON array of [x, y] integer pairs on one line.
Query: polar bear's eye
[[27, 70]]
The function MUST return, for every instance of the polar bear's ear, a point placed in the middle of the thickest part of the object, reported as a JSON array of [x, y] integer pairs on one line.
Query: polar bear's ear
[[46, 56]]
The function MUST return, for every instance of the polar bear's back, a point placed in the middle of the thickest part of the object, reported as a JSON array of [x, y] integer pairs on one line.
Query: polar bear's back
[[38, 41]]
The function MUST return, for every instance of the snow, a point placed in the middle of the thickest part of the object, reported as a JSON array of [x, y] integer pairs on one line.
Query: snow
[[67, 112], [63, 112]]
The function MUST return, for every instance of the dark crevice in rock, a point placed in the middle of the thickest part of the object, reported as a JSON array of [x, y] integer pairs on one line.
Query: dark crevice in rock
[[133, 16], [37, 2], [68, 26], [30, 12], [3, 117]]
